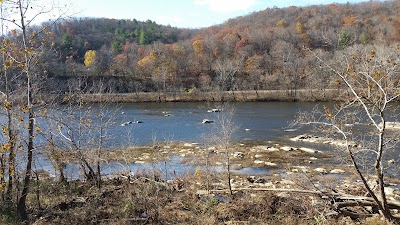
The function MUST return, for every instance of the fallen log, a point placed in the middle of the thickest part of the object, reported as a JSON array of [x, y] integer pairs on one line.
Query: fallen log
[[341, 201], [265, 189], [338, 205], [365, 200]]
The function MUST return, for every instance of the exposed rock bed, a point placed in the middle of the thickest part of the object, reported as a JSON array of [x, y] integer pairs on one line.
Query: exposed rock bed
[[322, 140], [393, 125]]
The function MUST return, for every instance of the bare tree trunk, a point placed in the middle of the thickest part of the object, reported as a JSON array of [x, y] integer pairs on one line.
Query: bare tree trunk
[[21, 207], [11, 159], [379, 173], [228, 168], [371, 91], [225, 129]]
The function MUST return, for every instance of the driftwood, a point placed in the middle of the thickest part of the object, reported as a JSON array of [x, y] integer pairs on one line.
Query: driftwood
[[365, 201], [267, 189], [341, 203]]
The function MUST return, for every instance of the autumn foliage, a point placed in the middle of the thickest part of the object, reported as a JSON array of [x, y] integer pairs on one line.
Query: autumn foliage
[[267, 45], [90, 57]]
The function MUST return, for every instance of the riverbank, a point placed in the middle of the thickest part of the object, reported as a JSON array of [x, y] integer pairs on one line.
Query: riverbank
[[298, 188], [234, 96], [145, 199], [268, 183]]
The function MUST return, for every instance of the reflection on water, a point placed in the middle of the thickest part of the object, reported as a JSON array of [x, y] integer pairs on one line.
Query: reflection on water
[[174, 167], [166, 170]]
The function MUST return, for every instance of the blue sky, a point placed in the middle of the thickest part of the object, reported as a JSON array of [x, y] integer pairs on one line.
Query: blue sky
[[183, 13]]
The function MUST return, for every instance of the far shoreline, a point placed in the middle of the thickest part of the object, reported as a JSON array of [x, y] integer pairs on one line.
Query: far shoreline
[[314, 95]]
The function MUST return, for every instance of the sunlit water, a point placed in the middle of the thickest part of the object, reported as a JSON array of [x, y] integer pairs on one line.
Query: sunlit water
[[259, 121], [170, 122]]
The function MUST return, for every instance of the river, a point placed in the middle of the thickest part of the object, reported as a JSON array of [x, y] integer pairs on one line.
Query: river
[[256, 122], [253, 121]]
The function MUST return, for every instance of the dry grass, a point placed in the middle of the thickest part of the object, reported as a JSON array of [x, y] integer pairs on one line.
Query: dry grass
[[145, 199]]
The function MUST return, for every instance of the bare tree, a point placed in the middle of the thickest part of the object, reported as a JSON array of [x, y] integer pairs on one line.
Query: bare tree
[[372, 77], [21, 56], [226, 70], [224, 129]]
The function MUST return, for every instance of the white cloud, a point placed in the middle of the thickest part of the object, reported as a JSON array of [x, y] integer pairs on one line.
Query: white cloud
[[227, 6]]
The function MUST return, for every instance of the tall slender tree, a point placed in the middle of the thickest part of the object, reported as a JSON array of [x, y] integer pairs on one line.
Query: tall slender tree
[[21, 51]]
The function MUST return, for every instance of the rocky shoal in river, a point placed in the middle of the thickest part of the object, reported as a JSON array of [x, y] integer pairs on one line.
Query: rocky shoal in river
[[273, 156], [286, 166]]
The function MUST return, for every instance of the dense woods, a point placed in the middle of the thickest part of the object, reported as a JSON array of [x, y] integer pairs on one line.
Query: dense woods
[[265, 50]]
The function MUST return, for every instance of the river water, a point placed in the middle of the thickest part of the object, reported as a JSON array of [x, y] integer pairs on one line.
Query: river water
[[169, 122], [253, 121]]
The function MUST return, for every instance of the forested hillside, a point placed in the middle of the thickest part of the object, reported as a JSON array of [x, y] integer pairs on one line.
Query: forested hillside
[[269, 49]]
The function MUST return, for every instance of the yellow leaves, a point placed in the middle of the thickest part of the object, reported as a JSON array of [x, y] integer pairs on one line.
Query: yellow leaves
[[33, 34], [198, 174], [43, 42], [48, 33], [6, 147], [90, 57], [8, 63], [198, 47], [147, 59], [7, 105], [37, 128], [249, 64], [281, 23], [253, 64], [372, 53], [4, 129], [376, 74], [153, 55], [300, 28], [29, 51], [25, 108], [7, 43], [328, 112], [14, 32], [379, 75]]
